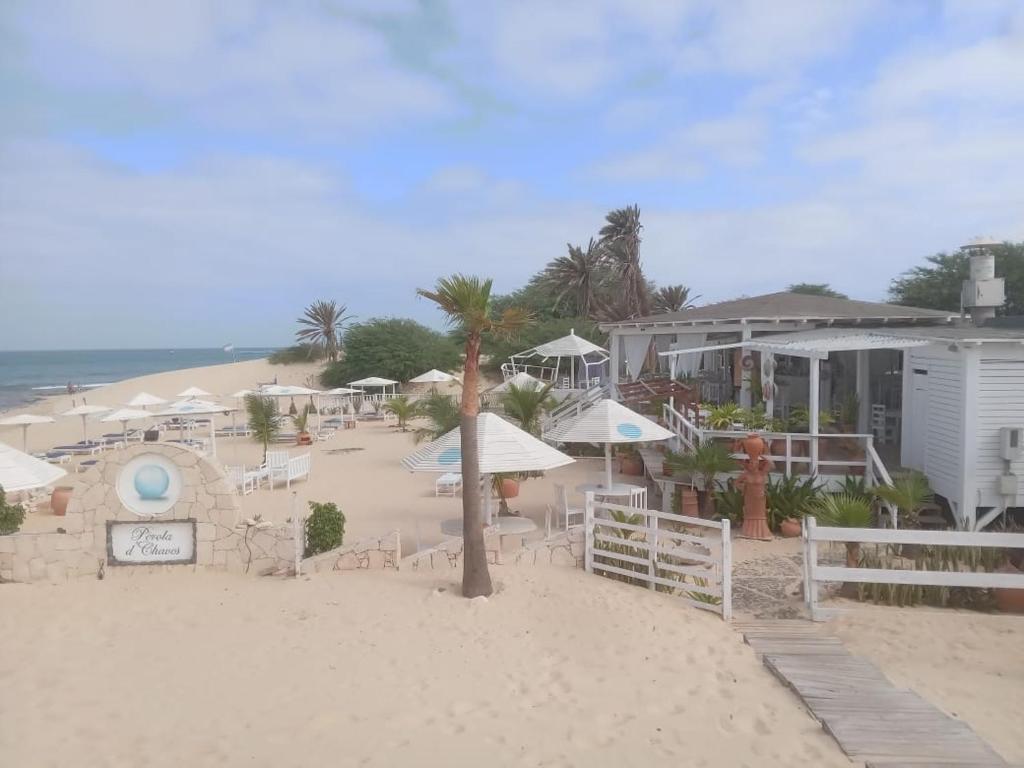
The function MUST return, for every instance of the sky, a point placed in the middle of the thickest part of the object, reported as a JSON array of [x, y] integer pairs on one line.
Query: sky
[[193, 173]]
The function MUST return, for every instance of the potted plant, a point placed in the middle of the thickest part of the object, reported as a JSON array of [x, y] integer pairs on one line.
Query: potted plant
[[630, 462], [506, 486], [1009, 600], [842, 510], [910, 492], [59, 498], [725, 416], [11, 515], [301, 420], [789, 498], [705, 462]]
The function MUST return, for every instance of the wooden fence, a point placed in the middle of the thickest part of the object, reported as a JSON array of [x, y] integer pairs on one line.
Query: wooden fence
[[688, 557], [815, 575]]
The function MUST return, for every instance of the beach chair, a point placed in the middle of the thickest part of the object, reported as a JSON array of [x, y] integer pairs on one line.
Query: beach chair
[[448, 484], [567, 513], [276, 467], [244, 481]]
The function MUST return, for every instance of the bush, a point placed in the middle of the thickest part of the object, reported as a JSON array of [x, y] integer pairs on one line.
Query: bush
[[301, 353], [11, 515], [392, 348], [325, 528]]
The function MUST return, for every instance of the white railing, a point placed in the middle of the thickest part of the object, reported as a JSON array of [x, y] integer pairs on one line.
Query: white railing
[[574, 406], [688, 435], [815, 574], [545, 373], [687, 556]]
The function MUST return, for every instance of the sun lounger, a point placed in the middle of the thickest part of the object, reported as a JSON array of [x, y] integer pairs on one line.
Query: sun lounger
[[448, 484], [81, 449]]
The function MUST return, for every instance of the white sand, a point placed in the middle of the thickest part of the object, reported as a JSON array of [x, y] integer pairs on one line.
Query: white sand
[[374, 669], [969, 664]]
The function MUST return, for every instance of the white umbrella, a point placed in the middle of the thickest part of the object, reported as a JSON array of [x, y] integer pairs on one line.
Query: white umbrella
[[521, 380], [83, 411], [198, 408], [343, 391], [143, 399], [25, 420], [124, 415], [293, 391], [194, 392], [373, 381], [433, 376], [21, 472], [608, 422], [503, 447], [243, 393]]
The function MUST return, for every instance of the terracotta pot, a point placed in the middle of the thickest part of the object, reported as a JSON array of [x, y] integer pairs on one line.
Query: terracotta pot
[[304, 438], [1009, 600], [510, 488], [689, 503], [631, 465], [790, 528], [59, 499]]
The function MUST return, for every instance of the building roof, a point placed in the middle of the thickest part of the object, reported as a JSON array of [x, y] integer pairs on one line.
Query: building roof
[[787, 306], [967, 334]]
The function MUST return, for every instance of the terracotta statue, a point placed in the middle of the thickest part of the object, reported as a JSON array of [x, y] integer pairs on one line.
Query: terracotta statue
[[752, 483]]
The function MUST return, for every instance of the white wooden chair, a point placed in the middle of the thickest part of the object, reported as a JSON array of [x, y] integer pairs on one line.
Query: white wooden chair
[[638, 498], [276, 467], [566, 512], [244, 481], [448, 484]]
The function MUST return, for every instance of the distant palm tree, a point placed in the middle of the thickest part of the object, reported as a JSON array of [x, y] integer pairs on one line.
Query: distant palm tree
[[404, 409], [467, 303], [577, 276], [443, 414], [527, 405], [323, 321], [843, 510], [264, 420], [673, 298], [816, 289], [620, 244], [910, 492]]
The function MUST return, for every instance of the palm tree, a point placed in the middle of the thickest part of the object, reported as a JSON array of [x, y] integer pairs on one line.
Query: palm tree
[[577, 276], [844, 510], [443, 414], [816, 289], [323, 321], [673, 298], [620, 244], [264, 421], [404, 409], [466, 301], [909, 493], [706, 461], [526, 405]]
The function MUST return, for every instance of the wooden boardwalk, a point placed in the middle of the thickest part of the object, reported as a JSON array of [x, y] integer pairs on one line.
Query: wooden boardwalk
[[859, 707]]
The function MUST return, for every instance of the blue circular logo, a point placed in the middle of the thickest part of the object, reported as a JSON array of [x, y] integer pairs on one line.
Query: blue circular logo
[[450, 456], [151, 482], [629, 430]]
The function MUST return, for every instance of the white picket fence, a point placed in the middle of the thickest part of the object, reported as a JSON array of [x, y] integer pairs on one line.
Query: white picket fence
[[815, 575], [689, 556]]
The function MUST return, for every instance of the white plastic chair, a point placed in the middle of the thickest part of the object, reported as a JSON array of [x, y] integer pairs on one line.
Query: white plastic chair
[[243, 481], [565, 511], [448, 484], [276, 466]]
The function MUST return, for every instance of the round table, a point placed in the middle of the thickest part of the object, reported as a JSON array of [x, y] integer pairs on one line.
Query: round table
[[616, 489], [504, 526]]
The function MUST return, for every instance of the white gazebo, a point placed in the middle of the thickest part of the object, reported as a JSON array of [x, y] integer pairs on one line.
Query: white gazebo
[[503, 447], [21, 472], [608, 422], [25, 420], [576, 360], [84, 411], [376, 382]]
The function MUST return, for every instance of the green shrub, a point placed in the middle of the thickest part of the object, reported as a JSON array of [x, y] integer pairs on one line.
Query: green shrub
[[325, 528], [300, 353], [790, 497], [11, 515], [393, 348]]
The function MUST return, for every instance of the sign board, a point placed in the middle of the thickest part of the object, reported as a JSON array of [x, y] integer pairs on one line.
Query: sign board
[[149, 543]]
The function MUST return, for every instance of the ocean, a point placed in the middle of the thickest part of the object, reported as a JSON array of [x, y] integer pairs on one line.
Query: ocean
[[26, 376]]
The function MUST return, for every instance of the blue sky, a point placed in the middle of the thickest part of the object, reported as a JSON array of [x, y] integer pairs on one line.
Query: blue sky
[[194, 173]]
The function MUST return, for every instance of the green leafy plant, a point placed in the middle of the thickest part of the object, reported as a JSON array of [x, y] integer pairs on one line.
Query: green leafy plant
[[301, 420], [325, 528], [909, 493], [753, 418], [790, 497], [729, 502], [706, 462], [300, 353], [800, 420], [264, 420], [527, 405], [403, 409], [848, 411], [724, 416], [442, 415], [11, 515], [856, 485], [701, 597], [842, 511], [321, 323]]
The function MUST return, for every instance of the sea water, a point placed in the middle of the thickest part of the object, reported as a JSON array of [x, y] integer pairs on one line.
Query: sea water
[[25, 376]]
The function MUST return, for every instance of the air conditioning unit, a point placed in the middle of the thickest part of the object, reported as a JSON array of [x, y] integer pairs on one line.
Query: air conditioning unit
[[1011, 443]]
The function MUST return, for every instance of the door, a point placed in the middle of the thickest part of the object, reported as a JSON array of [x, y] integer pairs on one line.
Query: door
[[916, 437]]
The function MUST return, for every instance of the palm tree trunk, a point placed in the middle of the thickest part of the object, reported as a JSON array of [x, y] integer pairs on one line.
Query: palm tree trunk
[[476, 580], [849, 588]]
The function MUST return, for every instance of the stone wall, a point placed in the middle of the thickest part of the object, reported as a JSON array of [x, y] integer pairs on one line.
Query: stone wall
[[374, 552], [564, 548]]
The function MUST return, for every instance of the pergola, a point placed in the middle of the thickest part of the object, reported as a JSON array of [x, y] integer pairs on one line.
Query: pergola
[[570, 348]]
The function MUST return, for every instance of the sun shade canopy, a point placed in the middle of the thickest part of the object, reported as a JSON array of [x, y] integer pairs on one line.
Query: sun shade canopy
[[21, 472], [287, 390], [433, 376], [143, 399], [372, 381], [194, 392], [608, 422], [127, 414], [503, 448], [567, 346], [193, 407], [521, 380]]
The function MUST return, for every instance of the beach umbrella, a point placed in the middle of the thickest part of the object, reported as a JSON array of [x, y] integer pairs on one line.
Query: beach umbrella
[[292, 391], [503, 447], [25, 420], [433, 376], [608, 422], [521, 380], [343, 391], [194, 392], [242, 393], [143, 399], [124, 415], [83, 411], [21, 472], [240, 396], [197, 407]]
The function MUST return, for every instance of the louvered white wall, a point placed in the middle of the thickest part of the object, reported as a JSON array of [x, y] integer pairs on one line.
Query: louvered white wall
[[1000, 404], [942, 423]]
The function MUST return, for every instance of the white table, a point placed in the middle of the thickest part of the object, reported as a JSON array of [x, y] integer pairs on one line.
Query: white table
[[616, 489]]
